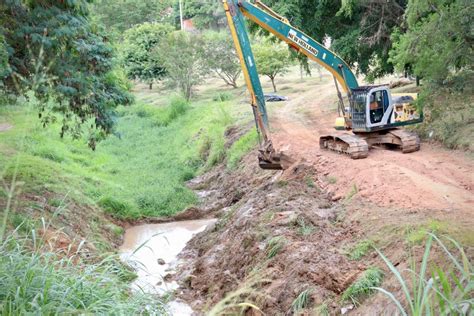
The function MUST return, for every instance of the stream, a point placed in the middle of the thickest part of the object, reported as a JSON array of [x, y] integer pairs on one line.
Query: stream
[[153, 249]]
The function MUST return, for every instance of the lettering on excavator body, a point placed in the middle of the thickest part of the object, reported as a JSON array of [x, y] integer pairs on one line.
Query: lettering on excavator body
[[300, 42]]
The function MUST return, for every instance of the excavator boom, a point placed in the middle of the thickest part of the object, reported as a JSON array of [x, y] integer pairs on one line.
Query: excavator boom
[[372, 114]]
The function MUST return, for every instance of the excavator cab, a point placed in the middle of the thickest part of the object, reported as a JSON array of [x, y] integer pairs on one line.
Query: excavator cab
[[372, 109]]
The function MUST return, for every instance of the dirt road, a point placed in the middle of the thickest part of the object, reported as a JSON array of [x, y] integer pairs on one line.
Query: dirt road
[[433, 178]]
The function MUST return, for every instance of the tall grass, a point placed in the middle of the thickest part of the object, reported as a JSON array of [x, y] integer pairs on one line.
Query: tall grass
[[140, 172], [44, 283], [447, 291], [38, 280]]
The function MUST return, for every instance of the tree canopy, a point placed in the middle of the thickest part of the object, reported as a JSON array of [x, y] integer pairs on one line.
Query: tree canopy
[[271, 57], [53, 50], [436, 41], [119, 15], [183, 55], [360, 29], [140, 60], [221, 56]]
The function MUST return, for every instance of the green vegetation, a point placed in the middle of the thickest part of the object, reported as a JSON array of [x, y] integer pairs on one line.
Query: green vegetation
[[184, 56], [364, 286], [136, 52], [354, 190], [66, 63], [301, 302], [322, 310], [304, 228], [359, 250], [418, 234], [221, 57], [275, 245], [242, 146], [331, 179], [448, 291], [44, 283], [449, 117], [271, 57], [117, 16], [140, 173], [309, 181]]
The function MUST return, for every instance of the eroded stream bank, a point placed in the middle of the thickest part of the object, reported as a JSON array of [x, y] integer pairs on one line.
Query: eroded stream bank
[[279, 235]]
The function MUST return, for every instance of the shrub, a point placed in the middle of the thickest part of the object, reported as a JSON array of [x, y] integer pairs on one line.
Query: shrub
[[222, 96], [178, 106]]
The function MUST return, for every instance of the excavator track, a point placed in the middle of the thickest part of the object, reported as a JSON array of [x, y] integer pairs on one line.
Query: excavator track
[[409, 142], [353, 145]]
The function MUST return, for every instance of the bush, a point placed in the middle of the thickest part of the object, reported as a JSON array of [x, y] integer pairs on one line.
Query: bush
[[178, 106], [222, 96]]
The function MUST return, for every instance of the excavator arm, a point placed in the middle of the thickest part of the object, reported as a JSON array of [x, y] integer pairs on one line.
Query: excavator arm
[[372, 116], [236, 12]]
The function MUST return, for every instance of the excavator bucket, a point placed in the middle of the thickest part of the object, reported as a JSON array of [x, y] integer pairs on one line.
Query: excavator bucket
[[278, 161]]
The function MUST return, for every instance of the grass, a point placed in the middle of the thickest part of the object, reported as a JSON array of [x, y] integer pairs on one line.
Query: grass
[[301, 302], [354, 190], [309, 181], [418, 234], [331, 179], [322, 310], [242, 146], [446, 291], [142, 171], [364, 286], [38, 280], [448, 117], [304, 228], [275, 245], [359, 250], [244, 299], [44, 283]]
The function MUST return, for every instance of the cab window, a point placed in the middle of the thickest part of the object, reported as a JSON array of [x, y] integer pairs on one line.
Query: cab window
[[378, 105]]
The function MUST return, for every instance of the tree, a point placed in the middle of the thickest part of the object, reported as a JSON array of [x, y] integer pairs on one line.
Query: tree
[[54, 51], [221, 56], [140, 60], [436, 42], [205, 14], [183, 56], [360, 29], [271, 57], [119, 15]]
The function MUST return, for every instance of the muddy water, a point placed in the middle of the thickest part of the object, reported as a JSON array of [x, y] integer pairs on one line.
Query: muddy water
[[152, 250]]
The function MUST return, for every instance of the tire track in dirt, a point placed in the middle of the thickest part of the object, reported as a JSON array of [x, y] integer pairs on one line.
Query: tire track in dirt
[[433, 178]]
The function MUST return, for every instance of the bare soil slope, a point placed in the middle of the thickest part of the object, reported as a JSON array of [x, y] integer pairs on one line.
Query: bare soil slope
[[281, 233]]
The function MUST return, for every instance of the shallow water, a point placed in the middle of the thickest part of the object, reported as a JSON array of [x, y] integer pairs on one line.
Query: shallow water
[[152, 249]]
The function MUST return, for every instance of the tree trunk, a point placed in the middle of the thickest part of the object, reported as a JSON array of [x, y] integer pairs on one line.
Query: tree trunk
[[273, 84]]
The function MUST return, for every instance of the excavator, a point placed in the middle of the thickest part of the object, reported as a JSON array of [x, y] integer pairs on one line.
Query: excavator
[[372, 114]]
